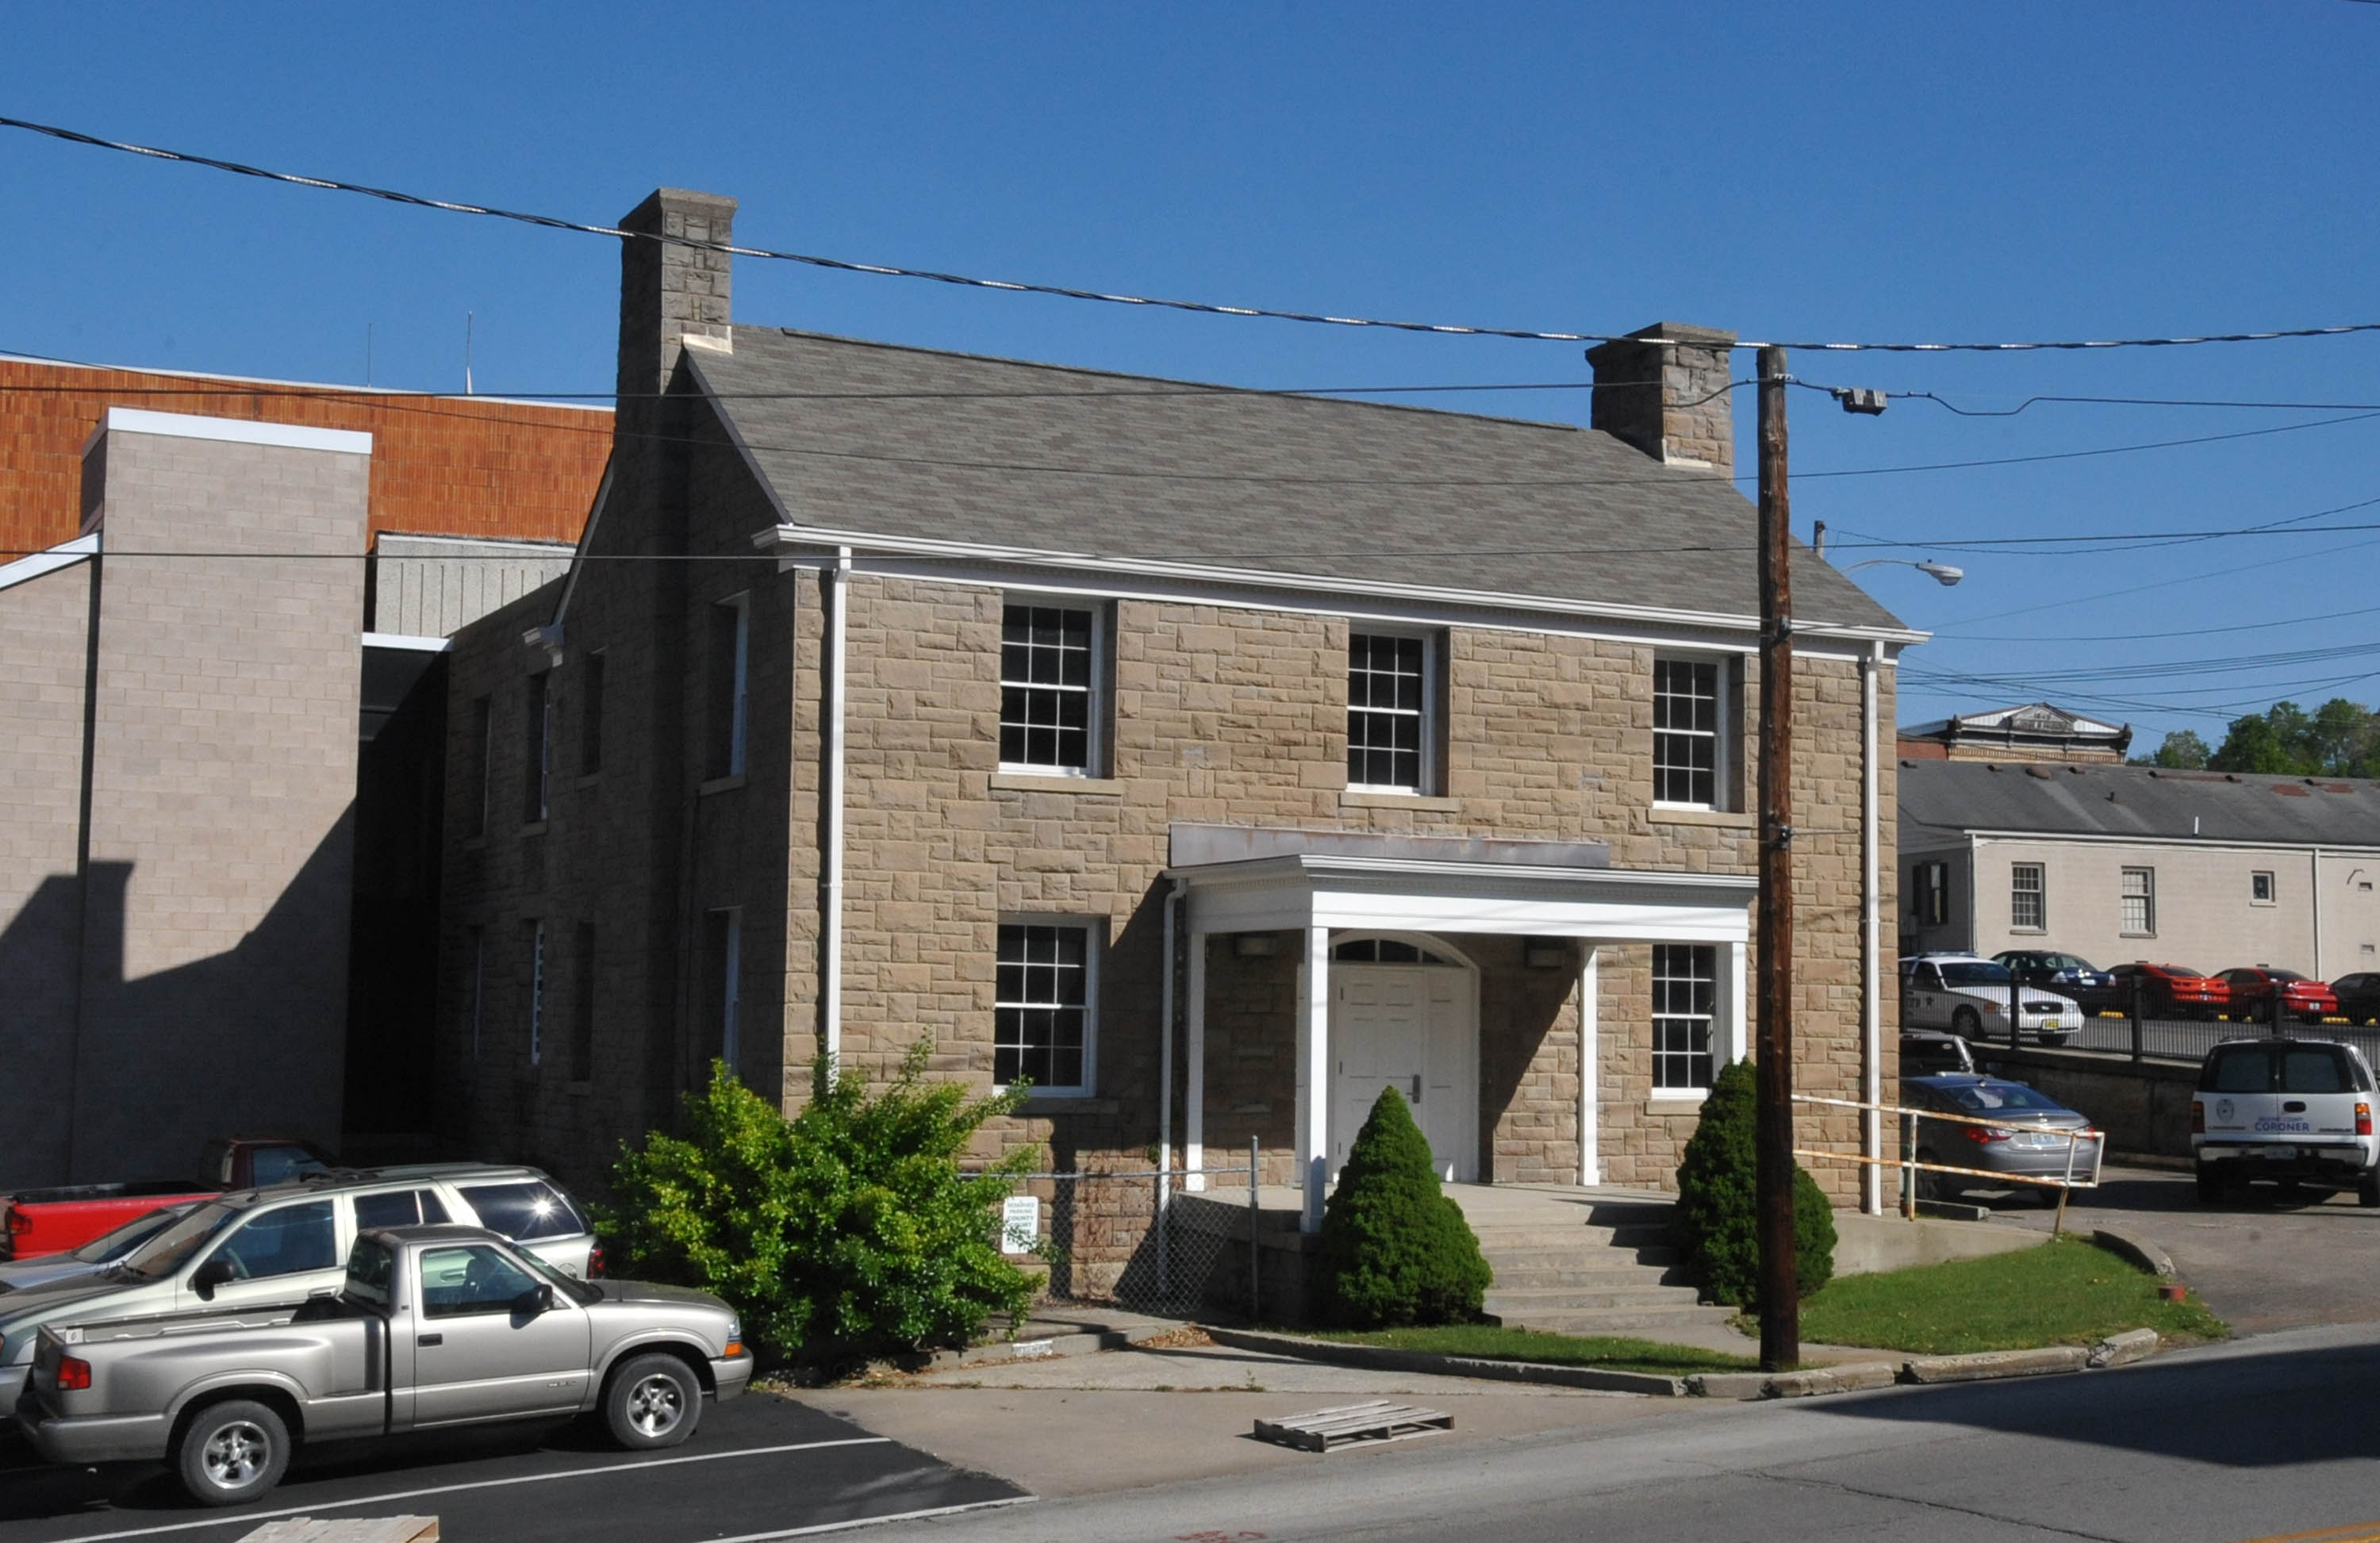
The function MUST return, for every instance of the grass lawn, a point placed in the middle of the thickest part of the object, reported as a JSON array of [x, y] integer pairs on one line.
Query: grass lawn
[[2065, 1291], [1491, 1344]]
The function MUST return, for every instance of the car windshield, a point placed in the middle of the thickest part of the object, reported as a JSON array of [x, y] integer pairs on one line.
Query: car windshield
[[1975, 972], [2175, 969], [2285, 974], [107, 1246], [581, 1291], [2069, 962], [1991, 1098], [171, 1248]]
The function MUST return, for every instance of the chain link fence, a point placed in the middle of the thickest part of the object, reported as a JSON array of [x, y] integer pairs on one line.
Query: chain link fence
[[1137, 1238]]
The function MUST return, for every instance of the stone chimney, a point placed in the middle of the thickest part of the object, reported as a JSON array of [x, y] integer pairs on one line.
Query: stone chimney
[[1663, 389], [669, 292]]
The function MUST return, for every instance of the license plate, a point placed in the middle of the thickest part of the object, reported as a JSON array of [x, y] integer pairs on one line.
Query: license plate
[[2279, 1154], [2039, 1138]]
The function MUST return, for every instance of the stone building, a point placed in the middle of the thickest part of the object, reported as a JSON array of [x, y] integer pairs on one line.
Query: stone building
[[1212, 759], [2036, 731]]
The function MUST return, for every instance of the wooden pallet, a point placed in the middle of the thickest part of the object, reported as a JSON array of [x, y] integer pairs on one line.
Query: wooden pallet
[[1352, 1423], [357, 1529]]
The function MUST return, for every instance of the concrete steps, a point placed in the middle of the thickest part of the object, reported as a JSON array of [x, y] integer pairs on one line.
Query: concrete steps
[[1603, 1267]]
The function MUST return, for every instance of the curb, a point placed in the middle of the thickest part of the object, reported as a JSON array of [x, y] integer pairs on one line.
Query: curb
[[1045, 1348], [2138, 1249], [1382, 1358], [1989, 1364]]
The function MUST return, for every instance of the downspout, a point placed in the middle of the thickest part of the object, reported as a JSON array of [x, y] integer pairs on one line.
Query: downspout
[[1871, 943], [835, 581], [1165, 1054]]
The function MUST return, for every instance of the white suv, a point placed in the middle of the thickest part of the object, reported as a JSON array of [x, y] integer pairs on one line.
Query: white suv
[[1969, 996], [2298, 1111]]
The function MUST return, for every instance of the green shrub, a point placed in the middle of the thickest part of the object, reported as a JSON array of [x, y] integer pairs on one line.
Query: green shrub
[[1395, 1250], [847, 1230], [1717, 1189]]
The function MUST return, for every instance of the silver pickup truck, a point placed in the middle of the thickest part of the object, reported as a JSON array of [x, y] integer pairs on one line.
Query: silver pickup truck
[[436, 1326]]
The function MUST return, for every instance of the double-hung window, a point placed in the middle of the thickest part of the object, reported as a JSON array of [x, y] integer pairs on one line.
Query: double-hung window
[[1044, 1018], [536, 992], [731, 656], [537, 750], [1050, 689], [2028, 897], [1391, 687], [1685, 1011], [2139, 901], [1694, 734], [1931, 885]]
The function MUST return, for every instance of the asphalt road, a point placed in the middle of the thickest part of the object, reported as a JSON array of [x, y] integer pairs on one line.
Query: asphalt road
[[2249, 1440], [758, 1467]]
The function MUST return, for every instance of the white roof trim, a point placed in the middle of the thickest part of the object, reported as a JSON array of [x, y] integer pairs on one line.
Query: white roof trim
[[65, 555], [2094, 838], [326, 387], [236, 430], [408, 641], [789, 542]]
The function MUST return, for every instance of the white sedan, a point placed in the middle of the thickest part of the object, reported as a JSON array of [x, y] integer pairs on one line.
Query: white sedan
[[1970, 997]]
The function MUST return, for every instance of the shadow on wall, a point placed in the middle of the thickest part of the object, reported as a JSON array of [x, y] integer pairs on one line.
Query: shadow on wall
[[115, 1078]]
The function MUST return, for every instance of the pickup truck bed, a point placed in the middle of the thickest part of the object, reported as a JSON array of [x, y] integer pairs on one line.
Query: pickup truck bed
[[34, 1222]]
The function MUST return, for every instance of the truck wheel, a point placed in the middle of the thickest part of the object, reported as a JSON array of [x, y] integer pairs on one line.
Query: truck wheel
[[2210, 1183], [232, 1453], [2367, 1191], [1967, 1023], [651, 1400]]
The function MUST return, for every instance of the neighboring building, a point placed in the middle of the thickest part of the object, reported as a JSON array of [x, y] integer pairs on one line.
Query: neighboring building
[[219, 774], [2034, 732], [907, 696], [2210, 869]]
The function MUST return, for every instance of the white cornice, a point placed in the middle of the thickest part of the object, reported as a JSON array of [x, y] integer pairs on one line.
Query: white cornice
[[64, 556], [236, 430]]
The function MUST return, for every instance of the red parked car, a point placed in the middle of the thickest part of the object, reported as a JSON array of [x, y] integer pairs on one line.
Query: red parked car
[[2173, 991], [34, 1222], [2252, 995]]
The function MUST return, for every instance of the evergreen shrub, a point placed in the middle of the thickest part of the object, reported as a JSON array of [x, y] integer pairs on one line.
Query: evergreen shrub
[[1395, 1250], [1717, 1223], [845, 1230]]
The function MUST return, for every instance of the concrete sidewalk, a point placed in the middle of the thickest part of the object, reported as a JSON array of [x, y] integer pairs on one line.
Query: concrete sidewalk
[[1126, 1418]]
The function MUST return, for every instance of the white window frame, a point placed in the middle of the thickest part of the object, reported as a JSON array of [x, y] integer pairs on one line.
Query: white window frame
[[1432, 647], [1095, 694], [2038, 894], [2272, 889], [2147, 897], [1094, 931], [1727, 738], [1922, 890], [536, 990], [1713, 1023]]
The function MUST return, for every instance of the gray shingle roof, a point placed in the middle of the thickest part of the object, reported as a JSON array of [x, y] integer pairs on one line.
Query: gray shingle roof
[[1941, 800], [1033, 455]]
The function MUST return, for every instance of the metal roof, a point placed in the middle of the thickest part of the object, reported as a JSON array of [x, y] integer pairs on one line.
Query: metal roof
[[1943, 800], [955, 447]]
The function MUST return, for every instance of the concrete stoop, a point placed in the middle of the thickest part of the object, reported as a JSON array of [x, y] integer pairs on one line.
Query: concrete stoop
[[1605, 1267]]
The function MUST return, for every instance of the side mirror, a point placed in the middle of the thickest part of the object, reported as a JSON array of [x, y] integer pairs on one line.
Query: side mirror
[[214, 1273], [537, 1299]]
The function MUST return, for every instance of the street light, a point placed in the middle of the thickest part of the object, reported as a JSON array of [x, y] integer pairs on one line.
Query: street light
[[1940, 573]]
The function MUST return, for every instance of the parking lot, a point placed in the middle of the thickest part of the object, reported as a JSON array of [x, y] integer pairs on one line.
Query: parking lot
[[760, 1467]]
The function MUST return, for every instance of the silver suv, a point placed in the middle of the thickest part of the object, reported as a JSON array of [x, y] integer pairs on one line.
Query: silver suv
[[287, 1243]]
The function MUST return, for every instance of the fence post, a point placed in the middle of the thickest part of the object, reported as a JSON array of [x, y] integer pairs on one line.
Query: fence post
[[2140, 1011], [1256, 1264], [1908, 1166], [2016, 1040], [1161, 1217]]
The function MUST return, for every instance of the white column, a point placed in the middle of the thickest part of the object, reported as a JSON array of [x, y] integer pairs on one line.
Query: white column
[[1193, 1091], [1739, 1012], [1590, 1071], [1313, 1075]]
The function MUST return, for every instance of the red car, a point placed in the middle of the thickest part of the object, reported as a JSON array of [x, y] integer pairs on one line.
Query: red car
[[2173, 991], [2252, 995]]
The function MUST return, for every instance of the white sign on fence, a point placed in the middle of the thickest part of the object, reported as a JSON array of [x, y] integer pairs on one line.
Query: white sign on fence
[[1020, 1223]]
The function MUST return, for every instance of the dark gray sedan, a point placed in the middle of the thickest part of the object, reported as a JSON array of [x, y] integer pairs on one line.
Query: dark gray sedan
[[2034, 1143]]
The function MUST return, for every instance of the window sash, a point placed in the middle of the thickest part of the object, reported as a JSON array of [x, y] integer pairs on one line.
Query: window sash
[[2027, 898], [536, 990], [1044, 1015], [1689, 732], [1389, 710], [1685, 1015], [2140, 901], [537, 724], [1048, 685]]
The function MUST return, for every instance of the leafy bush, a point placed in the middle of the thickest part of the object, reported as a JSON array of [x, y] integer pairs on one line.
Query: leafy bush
[[1718, 1182], [845, 1230], [1395, 1250]]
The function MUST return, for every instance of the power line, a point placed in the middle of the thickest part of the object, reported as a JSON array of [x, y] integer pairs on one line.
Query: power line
[[1204, 308]]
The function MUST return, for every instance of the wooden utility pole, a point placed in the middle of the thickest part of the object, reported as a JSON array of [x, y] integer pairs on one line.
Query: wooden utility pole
[[1780, 1300]]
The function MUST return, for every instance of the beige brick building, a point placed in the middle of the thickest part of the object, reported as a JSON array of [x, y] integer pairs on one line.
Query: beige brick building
[[1214, 759]]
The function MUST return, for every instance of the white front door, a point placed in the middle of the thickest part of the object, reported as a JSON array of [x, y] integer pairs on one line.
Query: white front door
[[1413, 1027]]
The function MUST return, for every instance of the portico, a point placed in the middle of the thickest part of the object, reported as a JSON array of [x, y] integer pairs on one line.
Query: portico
[[1388, 993]]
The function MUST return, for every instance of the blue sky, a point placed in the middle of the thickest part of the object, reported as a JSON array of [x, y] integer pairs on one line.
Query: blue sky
[[2025, 170]]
